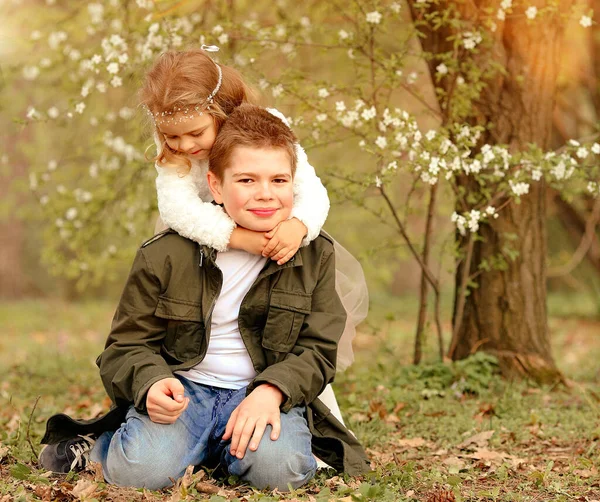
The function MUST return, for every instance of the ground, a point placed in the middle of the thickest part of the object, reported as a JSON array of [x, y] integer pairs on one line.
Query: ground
[[436, 432]]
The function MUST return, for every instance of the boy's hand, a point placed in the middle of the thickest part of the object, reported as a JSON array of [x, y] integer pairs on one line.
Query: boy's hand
[[165, 401], [248, 240], [249, 420], [285, 240]]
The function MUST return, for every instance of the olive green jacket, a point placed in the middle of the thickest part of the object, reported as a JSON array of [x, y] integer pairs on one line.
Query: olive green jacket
[[290, 322]]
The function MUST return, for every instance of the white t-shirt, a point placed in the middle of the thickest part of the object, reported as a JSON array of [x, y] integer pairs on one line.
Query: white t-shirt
[[227, 363]]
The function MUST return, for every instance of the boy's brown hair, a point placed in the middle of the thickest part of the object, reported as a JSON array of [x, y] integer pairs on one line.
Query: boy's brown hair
[[250, 126]]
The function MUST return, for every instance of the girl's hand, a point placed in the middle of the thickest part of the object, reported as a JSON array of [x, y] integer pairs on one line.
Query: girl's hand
[[249, 420], [248, 240], [285, 240], [165, 401]]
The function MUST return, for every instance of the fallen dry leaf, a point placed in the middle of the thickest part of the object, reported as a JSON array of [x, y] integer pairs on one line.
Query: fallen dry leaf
[[488, 455], [454, 462], [83, 489], [411, 443], [478, 440]]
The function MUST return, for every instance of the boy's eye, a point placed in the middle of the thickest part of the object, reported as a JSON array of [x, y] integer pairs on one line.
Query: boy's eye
[[280, 180], [245, 180]]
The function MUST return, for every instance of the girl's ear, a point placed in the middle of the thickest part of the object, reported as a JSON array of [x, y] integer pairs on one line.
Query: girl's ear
[[215, 186]]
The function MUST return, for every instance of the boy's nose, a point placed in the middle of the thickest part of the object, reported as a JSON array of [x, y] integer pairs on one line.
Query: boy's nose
[[264, 191]]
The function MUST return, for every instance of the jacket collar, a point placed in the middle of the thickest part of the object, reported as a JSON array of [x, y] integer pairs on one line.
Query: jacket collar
[[208, 254]]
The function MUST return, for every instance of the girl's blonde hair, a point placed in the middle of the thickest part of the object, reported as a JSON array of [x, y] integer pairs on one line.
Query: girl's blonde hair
[[184, 79]]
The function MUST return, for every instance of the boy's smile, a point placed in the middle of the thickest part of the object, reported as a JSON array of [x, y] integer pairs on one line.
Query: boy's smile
[[257, 187], [193, 136]]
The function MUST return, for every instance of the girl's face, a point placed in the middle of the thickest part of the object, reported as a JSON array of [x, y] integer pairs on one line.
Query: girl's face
[[193, 136]]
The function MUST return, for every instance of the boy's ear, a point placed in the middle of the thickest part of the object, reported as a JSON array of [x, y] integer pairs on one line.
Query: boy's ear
[[215, 186]]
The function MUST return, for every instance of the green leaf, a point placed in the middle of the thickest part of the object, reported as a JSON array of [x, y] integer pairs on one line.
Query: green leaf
[[20, 471]]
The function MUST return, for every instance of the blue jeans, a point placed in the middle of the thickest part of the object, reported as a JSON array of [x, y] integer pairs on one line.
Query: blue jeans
[[144, 454]]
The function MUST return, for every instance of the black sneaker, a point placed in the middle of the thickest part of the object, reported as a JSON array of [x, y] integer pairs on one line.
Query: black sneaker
[[69, 455]]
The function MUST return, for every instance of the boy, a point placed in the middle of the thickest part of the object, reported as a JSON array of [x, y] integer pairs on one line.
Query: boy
[[217, 358]]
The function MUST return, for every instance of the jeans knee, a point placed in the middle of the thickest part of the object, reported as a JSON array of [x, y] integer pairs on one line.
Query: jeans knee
[[274, 469], [130, 463]]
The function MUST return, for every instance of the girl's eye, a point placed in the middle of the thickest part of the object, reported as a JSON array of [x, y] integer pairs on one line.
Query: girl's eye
[[198, 134]]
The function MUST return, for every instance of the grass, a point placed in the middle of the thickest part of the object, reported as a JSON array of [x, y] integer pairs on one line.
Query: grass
[[416, 422]]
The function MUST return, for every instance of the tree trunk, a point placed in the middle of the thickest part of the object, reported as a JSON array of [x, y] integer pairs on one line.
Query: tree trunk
[[506, 314]]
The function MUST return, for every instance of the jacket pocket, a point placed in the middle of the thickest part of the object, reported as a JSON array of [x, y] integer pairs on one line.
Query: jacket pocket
[[287, 311], [186, 335]]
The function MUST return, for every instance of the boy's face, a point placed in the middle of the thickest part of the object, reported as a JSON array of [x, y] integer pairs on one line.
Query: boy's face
[[193, 136], [257, 187]]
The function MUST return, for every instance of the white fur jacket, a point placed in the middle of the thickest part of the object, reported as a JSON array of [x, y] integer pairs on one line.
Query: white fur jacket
[[184, 202]]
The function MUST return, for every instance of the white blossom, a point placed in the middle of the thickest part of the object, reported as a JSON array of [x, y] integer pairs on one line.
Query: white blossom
[[322, 117], [506, 4], [53, 112], [412, 77], [471, 39], [123, 58], [592, 187], [223, 39], [79, 107], [93, 170], [442, 69], [45, 62], [113, 68], [374, 17], [395, 7], [377, 181], [596, 148], [381, 142], [71, 214], [531, 12], [340, 106], [101, 87], [305, 21], [574, 142], [56, 38], [32, 113], [343, 35], [31, 72], [473, 222], [96, 12], [52, 165], [44, 199], [36, 35], [582, 152], [392, 166], [116, 81], [323, 93], [430, 134], [520, 188], [369, 113], [217, 30], [460, 222], [501, 15], [585, 21], [277, 90]]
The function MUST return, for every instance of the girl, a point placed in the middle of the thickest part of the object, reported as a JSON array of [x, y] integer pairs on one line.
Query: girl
[[192, 82]]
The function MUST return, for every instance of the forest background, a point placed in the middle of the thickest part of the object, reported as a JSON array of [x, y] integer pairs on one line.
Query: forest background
[[458, 142]]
